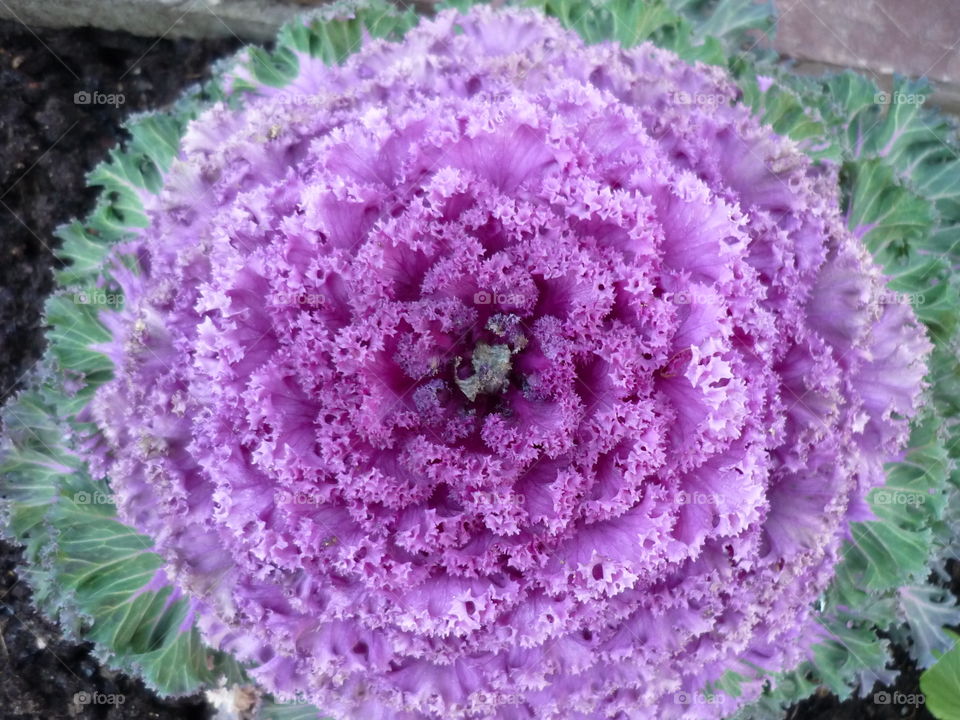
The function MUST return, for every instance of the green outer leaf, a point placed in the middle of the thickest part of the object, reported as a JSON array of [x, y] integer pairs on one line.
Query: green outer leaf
[[87, 569], [731, 18], [331, 33], [106, 565], [704, 30], [940, 684], [271, 710], [889, 553], [927, 611]]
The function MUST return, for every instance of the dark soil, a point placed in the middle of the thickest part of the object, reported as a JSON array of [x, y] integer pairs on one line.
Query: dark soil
[[47, 144]]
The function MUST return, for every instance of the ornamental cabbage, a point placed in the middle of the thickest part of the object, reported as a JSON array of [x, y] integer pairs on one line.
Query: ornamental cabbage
[[491, 375], [494, 375]]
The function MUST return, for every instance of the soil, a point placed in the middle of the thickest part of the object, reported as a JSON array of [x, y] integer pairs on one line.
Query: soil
[[47, 144]]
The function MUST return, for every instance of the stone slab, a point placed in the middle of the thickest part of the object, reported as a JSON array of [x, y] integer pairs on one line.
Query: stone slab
[[911, 37], [253, 20]]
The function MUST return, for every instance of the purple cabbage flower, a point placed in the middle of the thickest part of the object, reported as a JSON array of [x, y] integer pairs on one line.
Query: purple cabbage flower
[[495, 376]]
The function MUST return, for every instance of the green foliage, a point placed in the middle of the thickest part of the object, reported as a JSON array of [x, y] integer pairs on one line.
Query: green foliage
[[288, 711], [900, 179], [940, 684], [331, 34], [87, 569], [697, 30]]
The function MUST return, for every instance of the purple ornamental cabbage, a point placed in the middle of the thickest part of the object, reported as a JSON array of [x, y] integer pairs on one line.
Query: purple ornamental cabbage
[[492, 375]]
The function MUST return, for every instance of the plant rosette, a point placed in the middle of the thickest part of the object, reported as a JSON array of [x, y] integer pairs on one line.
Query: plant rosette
[[565, 361]]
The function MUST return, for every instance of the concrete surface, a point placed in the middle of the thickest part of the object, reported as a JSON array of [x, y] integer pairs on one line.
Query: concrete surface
[[912, 37], [879, 37], [255, 20]]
